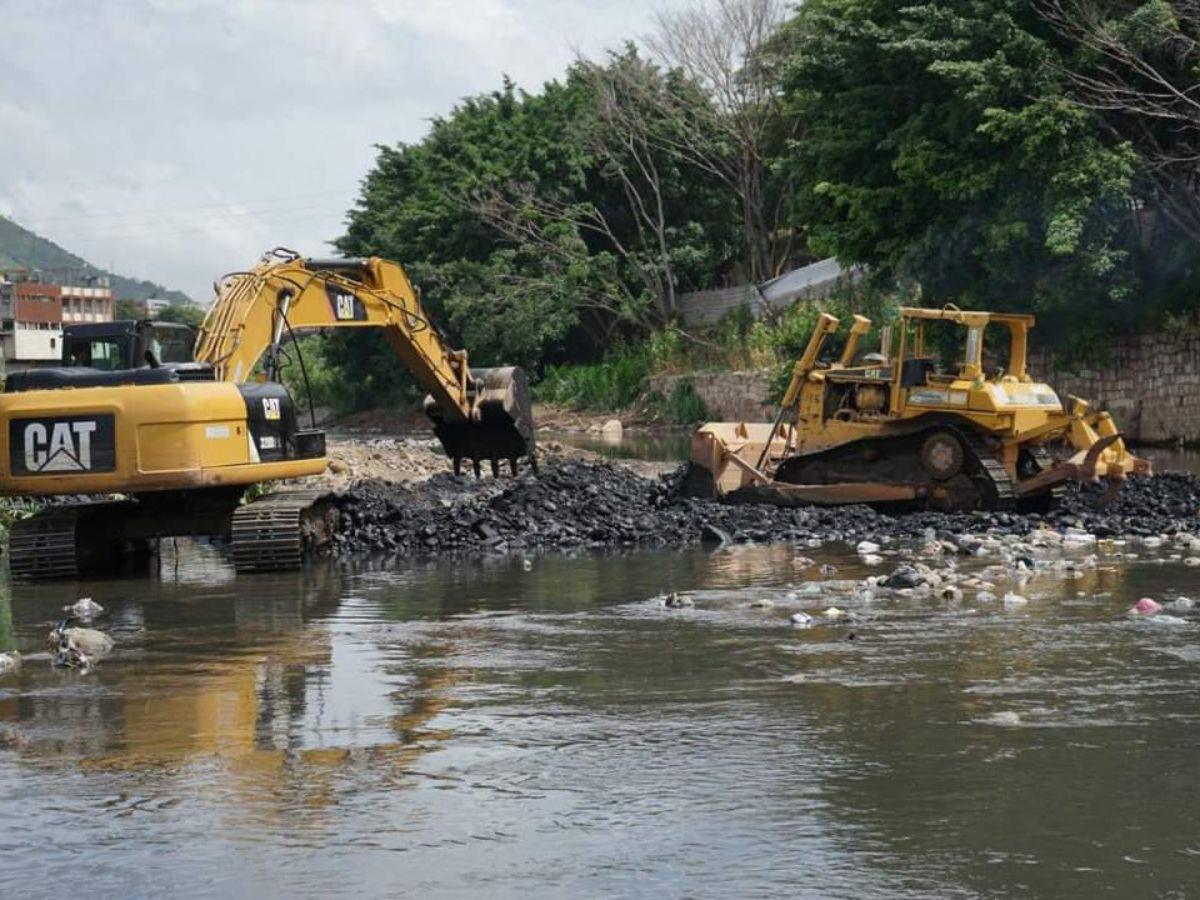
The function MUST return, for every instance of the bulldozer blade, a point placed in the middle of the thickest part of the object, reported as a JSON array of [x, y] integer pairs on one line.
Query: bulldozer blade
[[1081, 467], [501, 421], [1094, 451]]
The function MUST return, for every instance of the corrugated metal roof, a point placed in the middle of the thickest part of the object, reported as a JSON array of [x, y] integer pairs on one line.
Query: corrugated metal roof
[[815, 280]]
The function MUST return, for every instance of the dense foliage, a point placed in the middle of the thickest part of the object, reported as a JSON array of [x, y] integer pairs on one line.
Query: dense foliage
[[532, 233], [994, 153], [945, 144]]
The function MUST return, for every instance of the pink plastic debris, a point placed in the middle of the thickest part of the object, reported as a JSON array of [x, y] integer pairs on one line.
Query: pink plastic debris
[[1145, 607]]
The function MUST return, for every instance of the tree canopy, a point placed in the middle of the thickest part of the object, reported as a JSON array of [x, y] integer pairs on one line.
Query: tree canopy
[[1000, 154]]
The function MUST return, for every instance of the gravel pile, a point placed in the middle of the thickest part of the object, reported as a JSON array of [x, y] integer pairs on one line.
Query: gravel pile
[[591, 504]]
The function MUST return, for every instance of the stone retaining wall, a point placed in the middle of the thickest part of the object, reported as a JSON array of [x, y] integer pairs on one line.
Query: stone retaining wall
[[1149, 382], [728, 396]]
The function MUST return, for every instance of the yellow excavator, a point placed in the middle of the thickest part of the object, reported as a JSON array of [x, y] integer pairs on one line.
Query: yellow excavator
[[182, 442], [907, 426]]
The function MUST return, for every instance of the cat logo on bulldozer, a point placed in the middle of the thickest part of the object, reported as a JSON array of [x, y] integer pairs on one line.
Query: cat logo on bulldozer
[[62, 444], [271, 410]]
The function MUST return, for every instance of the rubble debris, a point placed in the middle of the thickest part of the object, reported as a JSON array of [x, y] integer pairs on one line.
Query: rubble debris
[[1145, 607], [72, 647], [592, 504], [84, 608], [10, 663]]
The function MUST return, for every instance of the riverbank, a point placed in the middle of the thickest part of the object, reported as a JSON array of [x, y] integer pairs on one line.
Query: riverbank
[[580, 502]]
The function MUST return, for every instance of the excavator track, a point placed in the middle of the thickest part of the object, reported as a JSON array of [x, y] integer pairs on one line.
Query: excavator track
[[43, 546], [268, 535]]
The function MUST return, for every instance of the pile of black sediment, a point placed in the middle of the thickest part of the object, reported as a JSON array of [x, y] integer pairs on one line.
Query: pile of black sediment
[[578, 504]]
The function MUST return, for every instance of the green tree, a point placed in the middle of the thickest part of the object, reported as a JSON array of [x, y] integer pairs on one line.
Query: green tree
[[185, 313], [533, 233], [125, 308], [940, 146]]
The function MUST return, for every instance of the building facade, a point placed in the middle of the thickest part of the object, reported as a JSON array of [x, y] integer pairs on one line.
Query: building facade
[[31, 317], [87, 299]]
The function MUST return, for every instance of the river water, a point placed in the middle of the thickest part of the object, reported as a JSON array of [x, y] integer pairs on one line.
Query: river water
[[498, 729]]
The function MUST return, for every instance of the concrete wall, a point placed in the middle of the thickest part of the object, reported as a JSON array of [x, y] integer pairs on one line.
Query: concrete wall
[[1149, 382], [728, 396]]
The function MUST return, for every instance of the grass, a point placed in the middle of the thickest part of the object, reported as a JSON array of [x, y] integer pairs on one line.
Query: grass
[[13, 509], [616, 383], [682, 407]]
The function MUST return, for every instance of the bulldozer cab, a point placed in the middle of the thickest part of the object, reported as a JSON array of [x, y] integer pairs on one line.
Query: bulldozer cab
[[126, 344], [938, 346]]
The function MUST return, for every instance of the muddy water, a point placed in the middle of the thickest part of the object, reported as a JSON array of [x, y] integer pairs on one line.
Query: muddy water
[[483, 730]]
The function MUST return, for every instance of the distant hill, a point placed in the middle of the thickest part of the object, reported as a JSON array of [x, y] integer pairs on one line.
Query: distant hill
[[20, 247]]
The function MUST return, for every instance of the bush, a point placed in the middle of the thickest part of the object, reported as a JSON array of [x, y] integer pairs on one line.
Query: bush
[[683, 407], [616, 383]]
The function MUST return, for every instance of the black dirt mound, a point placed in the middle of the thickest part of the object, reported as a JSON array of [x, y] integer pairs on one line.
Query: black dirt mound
[[587, 504]]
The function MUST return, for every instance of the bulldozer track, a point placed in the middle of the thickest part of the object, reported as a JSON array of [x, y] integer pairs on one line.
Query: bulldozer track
[[1043, 460], [1004, 494], [267, 535], [43, 546]]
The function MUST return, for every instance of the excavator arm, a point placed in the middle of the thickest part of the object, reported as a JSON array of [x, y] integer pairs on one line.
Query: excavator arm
[[481, 414]]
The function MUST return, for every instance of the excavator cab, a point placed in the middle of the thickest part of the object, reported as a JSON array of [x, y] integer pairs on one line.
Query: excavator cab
[[126, 344]]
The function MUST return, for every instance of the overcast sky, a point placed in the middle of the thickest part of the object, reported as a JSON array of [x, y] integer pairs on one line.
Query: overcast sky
[[178, 139]]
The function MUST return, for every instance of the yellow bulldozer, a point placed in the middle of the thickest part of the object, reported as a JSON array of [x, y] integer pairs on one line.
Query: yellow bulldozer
[[181, 442], [942, 421]]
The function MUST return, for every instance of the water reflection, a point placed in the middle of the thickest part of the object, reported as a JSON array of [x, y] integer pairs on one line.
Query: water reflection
[[477, 728]]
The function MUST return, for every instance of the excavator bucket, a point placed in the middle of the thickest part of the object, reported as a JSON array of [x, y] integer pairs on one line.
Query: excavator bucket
[[500, 426]]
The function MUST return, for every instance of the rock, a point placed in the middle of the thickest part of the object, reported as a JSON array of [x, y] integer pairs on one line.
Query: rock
[[865, 548], [903, 577], [84, 608], [337, 467], [675, 600], [951, 594], [1192, 561], [1014, 601], [574, 504], [985, 597], [527, 565], [828, 570], [10, 663], [1005, 719], [1145, 607], [872, 559], [834, 613], [802, 620], [762, 603], [612, 429], [1183, 603]]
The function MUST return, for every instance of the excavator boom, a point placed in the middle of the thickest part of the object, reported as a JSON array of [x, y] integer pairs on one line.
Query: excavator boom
[[481, 414]]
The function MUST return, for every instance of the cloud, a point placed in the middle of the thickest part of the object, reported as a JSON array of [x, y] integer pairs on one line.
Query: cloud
[[178, 139]]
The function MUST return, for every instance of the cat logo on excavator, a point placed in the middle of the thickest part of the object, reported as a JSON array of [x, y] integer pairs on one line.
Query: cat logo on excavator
[[56, 446]]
